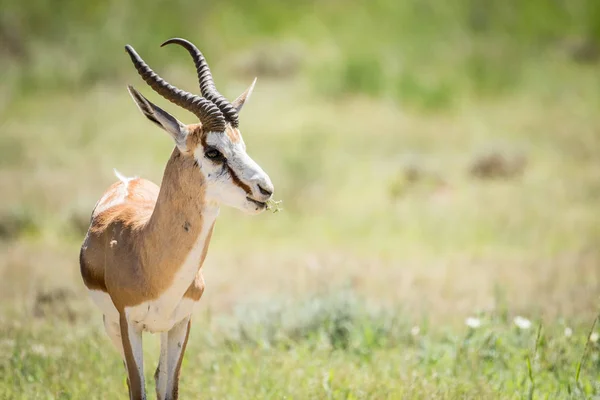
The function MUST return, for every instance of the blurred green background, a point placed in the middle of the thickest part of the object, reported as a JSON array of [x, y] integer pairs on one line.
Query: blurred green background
[[437, 160]]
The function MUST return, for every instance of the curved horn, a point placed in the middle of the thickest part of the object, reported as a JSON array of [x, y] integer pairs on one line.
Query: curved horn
[[209, 114], [205, 79]]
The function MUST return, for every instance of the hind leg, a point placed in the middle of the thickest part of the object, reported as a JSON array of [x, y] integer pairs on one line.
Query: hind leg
[[162, 370], [113, 330], [131, 337], [177, 342], [172, 349]]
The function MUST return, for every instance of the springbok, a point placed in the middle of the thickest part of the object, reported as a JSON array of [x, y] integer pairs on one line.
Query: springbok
[[142, 256]]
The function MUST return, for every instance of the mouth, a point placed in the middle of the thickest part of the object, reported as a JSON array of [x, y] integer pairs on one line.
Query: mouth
[[258, 203]]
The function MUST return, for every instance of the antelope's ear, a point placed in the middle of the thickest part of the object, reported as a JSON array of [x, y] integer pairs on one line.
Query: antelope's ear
[[160, 117], [239, 102]]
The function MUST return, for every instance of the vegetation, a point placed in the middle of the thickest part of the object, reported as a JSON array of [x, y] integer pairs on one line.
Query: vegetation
[[420, 52], [438, 166], [326, 347]]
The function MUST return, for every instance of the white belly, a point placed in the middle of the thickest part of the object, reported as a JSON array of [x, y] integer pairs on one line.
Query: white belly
[[162, 313], [151, 316], [157, 315]]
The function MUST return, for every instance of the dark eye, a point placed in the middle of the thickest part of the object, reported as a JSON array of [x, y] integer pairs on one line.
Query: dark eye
[[214, 154]]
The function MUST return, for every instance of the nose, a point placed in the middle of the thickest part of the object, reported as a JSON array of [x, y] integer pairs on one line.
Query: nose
[[265, 189]]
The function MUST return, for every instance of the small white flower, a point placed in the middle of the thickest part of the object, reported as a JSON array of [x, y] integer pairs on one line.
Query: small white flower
[[473, 322], [594, 337], [415, 330], [522, 323], [568, 332]]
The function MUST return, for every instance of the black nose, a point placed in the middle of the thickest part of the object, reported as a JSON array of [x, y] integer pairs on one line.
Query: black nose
[[264, 191]]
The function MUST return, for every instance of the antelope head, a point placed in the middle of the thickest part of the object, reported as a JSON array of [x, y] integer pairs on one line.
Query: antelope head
[[215, 146]]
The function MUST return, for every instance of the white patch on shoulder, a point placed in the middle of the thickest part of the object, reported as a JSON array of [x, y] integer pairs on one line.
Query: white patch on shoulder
[[161, 314]]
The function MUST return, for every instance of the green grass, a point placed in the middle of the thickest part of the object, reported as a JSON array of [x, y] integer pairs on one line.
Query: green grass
[[419, 52], [445, 246], [437, 161], [325, 347]]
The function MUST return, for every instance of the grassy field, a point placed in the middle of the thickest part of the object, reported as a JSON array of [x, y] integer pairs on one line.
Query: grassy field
[[440, 180], [330, 347]]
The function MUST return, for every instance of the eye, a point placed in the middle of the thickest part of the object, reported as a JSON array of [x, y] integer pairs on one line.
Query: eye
[[214, 154]]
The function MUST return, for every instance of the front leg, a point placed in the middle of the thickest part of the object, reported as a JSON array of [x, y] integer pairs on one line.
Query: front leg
[[161, 375], [134, 358], [176, 341]]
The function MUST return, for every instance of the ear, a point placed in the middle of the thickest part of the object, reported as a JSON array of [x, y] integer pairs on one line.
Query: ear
[[239, 102], [160, 117]]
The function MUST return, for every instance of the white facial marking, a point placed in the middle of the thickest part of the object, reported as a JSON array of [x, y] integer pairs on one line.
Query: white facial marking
[[236, 179]]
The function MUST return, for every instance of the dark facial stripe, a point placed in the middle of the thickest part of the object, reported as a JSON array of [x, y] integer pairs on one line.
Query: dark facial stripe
[[237, 181]]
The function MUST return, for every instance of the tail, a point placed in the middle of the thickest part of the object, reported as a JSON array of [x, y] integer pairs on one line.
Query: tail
[[121, 177]]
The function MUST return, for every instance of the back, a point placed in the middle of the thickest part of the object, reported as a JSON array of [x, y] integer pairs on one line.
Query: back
[[123, 210]]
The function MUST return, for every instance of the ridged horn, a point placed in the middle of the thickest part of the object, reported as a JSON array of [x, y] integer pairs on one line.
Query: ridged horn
[[206, 82], [209, 114]]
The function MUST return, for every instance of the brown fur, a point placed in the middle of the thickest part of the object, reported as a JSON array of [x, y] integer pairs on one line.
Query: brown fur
[[120, 252], [195, 137], [140, 235], [233, 134], [93, 278]]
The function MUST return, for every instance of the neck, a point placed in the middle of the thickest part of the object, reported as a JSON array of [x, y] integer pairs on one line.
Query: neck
[[182, 219]]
